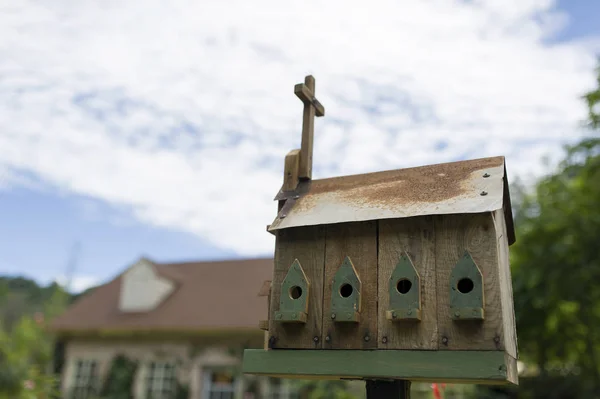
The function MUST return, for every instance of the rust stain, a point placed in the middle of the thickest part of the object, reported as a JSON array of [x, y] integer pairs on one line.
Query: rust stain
[[431, 183]]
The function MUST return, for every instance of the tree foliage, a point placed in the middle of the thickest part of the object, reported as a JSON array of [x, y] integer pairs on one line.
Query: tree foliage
[[326, 389], [119, 382], [26, 348], [592, 100]]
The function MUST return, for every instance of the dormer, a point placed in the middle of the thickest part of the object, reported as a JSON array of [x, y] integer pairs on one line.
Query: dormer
[[143, 288]]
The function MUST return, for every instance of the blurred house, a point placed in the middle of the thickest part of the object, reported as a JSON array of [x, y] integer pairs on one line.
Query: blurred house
[[186, 325]]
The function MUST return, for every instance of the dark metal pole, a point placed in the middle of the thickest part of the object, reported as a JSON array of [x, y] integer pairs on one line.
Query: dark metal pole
[[381, 389]]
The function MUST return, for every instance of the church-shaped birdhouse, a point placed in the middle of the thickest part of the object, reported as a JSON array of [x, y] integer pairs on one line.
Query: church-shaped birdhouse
[[400, 274]]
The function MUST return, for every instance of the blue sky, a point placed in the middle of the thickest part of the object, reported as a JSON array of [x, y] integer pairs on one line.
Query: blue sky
[[583, 16], [171, 144], [58, 230]]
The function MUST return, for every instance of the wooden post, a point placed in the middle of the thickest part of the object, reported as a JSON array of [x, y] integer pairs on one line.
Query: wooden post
[[312, 107], [290, 170], [384, 389]]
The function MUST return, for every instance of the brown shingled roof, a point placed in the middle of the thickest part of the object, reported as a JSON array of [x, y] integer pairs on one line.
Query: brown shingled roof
[[208, 296]]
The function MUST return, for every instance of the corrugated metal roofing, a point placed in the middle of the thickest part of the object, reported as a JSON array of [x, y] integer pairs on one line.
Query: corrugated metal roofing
[[472, 186]]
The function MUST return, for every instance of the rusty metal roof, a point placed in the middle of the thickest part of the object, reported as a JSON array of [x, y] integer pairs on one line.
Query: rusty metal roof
[[473, 186]]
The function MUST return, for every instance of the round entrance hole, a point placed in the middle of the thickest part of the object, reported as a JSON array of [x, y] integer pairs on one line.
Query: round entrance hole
[[465, 285], [403, 286], [295, 292], [346, 290]]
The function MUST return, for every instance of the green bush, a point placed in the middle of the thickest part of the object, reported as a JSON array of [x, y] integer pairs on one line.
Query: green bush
[[119, 382], [25, 353]]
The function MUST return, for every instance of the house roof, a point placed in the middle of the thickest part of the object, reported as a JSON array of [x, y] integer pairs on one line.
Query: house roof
[[473, 186], [207, 296]]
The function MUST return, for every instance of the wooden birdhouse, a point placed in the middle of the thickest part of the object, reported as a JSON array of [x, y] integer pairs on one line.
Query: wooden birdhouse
[[400, 274]]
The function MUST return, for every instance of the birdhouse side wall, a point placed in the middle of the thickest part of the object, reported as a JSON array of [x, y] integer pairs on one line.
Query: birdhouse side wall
[[506, 290], [414, 237], [307, 245], [454, 235], [358, 242]]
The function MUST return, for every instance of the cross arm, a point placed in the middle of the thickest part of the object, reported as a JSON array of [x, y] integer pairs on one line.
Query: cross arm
[[305, 94]]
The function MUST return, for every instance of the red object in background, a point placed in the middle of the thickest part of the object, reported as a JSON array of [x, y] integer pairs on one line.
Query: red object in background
[[436, 391]]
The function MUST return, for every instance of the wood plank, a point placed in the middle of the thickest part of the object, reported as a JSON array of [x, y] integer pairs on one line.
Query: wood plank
[[491, 367], [506, 290], [359, 242], [308, 129], [291, 170], [263, 325], [453, 235], [303, 92], [265, 288], [307, 244], [416, 237], [510, 367]]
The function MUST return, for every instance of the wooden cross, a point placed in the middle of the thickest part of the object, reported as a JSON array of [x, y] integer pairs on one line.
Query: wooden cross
[[306, 92]]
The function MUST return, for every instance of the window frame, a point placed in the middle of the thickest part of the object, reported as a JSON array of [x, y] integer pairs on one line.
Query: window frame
[[208, 387], [85, 384], [154, 385]]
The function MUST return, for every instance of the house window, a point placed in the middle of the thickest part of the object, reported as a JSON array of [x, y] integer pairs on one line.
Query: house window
[[161, 381], [85, 384], [281, 389], [219, 384]]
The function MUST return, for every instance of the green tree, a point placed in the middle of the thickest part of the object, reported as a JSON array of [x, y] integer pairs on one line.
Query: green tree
[[592, 100], [326, 389], [26, 351], [24, 358]]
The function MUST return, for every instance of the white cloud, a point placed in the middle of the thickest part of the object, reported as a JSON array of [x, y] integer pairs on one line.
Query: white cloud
[[183, 111], [78, 284]]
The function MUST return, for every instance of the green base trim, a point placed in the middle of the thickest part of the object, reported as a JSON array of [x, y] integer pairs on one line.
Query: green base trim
[[485, 367]]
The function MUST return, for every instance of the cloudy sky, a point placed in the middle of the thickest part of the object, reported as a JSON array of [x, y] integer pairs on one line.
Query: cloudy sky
[[159, 128]]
